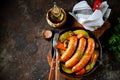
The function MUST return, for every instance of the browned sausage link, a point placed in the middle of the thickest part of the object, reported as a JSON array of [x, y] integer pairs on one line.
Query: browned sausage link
[[70, 50], [93, 60], [86, 57], [76, 57]]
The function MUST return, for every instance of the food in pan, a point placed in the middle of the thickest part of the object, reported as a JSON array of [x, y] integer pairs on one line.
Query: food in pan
[[79, 52]]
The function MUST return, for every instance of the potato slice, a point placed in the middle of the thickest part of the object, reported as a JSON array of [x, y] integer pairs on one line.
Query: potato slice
[[77, 32], [65, 69]]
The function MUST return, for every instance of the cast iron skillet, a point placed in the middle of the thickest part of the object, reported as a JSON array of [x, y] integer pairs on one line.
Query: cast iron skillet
[[99, 61]]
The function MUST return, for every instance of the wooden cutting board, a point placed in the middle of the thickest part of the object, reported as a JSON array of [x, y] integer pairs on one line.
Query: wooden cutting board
[[98, 33]]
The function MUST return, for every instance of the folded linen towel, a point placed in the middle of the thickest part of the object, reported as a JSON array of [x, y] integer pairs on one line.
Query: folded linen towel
[[91, 20]]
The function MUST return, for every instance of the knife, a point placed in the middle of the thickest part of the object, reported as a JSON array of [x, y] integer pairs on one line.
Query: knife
[[52, 69]]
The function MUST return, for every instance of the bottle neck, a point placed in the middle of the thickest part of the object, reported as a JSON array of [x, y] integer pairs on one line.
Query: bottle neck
[[56, 11]]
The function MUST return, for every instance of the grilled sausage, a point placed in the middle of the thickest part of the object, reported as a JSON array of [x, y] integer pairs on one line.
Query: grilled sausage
[[70, 50], [76, 57], [93, 60], [86, 57]]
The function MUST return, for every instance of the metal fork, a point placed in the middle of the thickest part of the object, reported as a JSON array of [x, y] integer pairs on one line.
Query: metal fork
[[54, 66], [57, 75]]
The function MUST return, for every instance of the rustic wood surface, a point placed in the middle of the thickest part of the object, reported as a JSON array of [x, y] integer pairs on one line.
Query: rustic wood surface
[[23, 51]]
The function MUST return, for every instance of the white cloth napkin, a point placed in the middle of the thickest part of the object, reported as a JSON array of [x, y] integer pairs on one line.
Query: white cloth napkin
[[91, 20]]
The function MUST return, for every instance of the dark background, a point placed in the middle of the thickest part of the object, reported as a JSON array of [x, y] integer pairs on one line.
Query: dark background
[[23, 51]]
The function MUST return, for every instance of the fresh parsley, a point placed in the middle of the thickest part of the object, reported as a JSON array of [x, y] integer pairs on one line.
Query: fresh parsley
[[114, 40]]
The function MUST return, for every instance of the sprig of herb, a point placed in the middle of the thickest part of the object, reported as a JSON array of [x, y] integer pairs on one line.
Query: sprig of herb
[[114, 41]]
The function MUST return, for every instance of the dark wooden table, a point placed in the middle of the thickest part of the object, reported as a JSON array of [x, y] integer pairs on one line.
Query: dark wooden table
[[23, 51]]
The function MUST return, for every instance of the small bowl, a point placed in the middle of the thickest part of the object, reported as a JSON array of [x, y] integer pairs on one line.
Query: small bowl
[[73, 75], [53, 24]]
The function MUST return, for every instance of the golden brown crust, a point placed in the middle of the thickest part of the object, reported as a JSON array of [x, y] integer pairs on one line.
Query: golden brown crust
[[70, 50]]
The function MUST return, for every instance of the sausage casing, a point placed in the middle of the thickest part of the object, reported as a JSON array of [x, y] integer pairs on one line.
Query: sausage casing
[[93, 60], [86, 57], [70, 50], [76, 57]]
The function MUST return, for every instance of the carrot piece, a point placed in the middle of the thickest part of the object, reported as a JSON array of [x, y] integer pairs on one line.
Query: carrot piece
[[60, 46], [81, 72]]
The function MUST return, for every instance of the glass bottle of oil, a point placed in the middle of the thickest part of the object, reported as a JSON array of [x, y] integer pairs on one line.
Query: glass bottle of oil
[[56, 14]]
